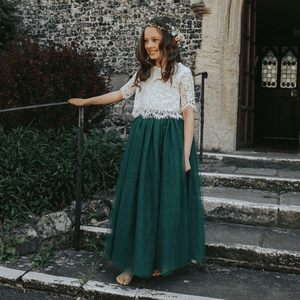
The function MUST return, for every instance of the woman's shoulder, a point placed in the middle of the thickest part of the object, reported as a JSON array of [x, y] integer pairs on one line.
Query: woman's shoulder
[[182, 69], [182, 72]]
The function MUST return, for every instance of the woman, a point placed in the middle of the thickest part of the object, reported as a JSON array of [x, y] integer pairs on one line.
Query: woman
[[157, 223]]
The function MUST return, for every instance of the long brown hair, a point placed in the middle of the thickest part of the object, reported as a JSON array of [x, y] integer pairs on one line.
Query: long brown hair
[[168, 46]]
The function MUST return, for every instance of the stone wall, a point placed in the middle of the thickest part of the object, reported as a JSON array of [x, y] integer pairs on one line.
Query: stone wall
[[112, 27]]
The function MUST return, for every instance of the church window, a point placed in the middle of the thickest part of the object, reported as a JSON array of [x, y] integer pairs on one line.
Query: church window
[[269, 70], [288, 78]]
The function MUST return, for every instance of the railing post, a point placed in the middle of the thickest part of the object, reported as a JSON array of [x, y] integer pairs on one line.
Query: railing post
[[79, 177], [204, 76]]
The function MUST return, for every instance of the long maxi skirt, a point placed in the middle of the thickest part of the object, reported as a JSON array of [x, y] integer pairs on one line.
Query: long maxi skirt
[[157, 219]]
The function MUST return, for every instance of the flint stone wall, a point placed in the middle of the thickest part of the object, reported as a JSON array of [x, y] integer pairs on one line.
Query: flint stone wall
[[112, 27]]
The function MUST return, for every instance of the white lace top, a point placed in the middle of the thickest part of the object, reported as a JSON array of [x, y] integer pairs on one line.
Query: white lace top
[[158, 99]]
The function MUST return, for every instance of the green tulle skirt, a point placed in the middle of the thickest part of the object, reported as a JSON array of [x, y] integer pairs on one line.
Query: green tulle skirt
[[157, 219]]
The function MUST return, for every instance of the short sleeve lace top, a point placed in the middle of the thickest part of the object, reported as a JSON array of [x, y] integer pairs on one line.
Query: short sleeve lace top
[[158, 99]]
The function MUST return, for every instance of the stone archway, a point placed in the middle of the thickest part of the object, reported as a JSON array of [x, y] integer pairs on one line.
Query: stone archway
[[219, 56]]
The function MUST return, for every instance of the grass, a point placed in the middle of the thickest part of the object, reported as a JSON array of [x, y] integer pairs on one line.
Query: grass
[[244, 166], [9, 241], [43, 257], [95, 245], [269, 196], [280, 190]]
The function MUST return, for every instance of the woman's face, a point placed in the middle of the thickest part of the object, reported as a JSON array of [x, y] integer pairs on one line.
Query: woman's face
[[152, 38]]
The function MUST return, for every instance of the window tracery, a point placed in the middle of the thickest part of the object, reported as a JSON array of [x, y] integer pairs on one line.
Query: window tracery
[[269, 70], [288, 77]]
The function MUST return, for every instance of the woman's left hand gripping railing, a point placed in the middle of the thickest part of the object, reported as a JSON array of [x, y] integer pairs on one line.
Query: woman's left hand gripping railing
[[79, 160]]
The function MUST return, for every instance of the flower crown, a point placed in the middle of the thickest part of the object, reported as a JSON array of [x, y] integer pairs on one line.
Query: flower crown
[[172, 30]]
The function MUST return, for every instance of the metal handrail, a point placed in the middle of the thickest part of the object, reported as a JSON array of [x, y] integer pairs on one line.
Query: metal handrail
[[32, 106], [204, 76]]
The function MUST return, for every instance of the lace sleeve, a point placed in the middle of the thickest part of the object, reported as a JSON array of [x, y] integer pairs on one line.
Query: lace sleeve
[[187, 93], [129, 89]]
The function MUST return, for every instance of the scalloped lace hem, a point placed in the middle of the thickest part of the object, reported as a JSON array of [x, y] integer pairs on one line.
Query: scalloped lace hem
[[188, 105], [156, 114]]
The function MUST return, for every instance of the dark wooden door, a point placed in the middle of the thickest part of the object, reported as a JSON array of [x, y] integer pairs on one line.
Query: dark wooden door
[[245, 124], [278, 99]]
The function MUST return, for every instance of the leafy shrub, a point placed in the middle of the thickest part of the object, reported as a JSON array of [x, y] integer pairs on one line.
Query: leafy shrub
[[38, 170], [32, 74], [8, 22], [9, 241]]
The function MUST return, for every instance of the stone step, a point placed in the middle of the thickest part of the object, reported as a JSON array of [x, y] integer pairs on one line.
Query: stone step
[[248, 206], [257, 247], [252, 207], [280, 173], [254, 160], [251, 178], [265, 248]]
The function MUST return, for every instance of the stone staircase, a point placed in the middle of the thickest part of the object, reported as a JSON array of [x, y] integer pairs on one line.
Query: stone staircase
[[252, 210]]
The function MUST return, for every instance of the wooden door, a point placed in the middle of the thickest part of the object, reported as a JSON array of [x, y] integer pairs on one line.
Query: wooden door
[[245, 124], [278, 98]]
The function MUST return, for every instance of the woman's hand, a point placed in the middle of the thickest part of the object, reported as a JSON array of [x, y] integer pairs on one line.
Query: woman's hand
[[187, 164], [78, 102]]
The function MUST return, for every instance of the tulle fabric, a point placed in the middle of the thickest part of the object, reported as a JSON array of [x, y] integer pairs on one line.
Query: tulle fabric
[[157, 219]]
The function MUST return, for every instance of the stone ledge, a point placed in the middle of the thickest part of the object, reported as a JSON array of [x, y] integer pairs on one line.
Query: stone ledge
[[241, 176], [11, 276], [105, 291], [256, 159], [94, 229], [249, 181], [253, 156], [251, 213], [58, 284], [145, 294], [242, 212], [252, 244], [270, 259]]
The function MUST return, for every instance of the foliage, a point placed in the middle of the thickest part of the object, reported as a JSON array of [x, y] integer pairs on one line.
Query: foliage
[[281, 190], [43, 257], [96, 245], [101, 160], [32, 74], [7, 240], [38, 169], [8, 22]]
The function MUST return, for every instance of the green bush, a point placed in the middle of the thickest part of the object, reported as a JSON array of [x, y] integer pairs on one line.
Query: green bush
[[8, 22], [38, 169], [32, 74]]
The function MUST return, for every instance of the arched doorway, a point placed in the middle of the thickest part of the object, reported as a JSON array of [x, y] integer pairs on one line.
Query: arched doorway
[[269, 106]]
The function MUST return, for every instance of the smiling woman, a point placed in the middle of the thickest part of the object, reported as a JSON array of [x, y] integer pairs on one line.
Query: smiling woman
[[156, 222]]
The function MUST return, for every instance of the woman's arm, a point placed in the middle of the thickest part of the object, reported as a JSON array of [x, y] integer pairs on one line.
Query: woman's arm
[[189, 125], [99, 100]]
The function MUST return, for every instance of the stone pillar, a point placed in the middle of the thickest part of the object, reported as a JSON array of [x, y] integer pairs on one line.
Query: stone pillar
[[219, 56]]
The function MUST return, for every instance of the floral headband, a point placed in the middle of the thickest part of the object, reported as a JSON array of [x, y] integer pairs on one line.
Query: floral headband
[[172, 30]]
